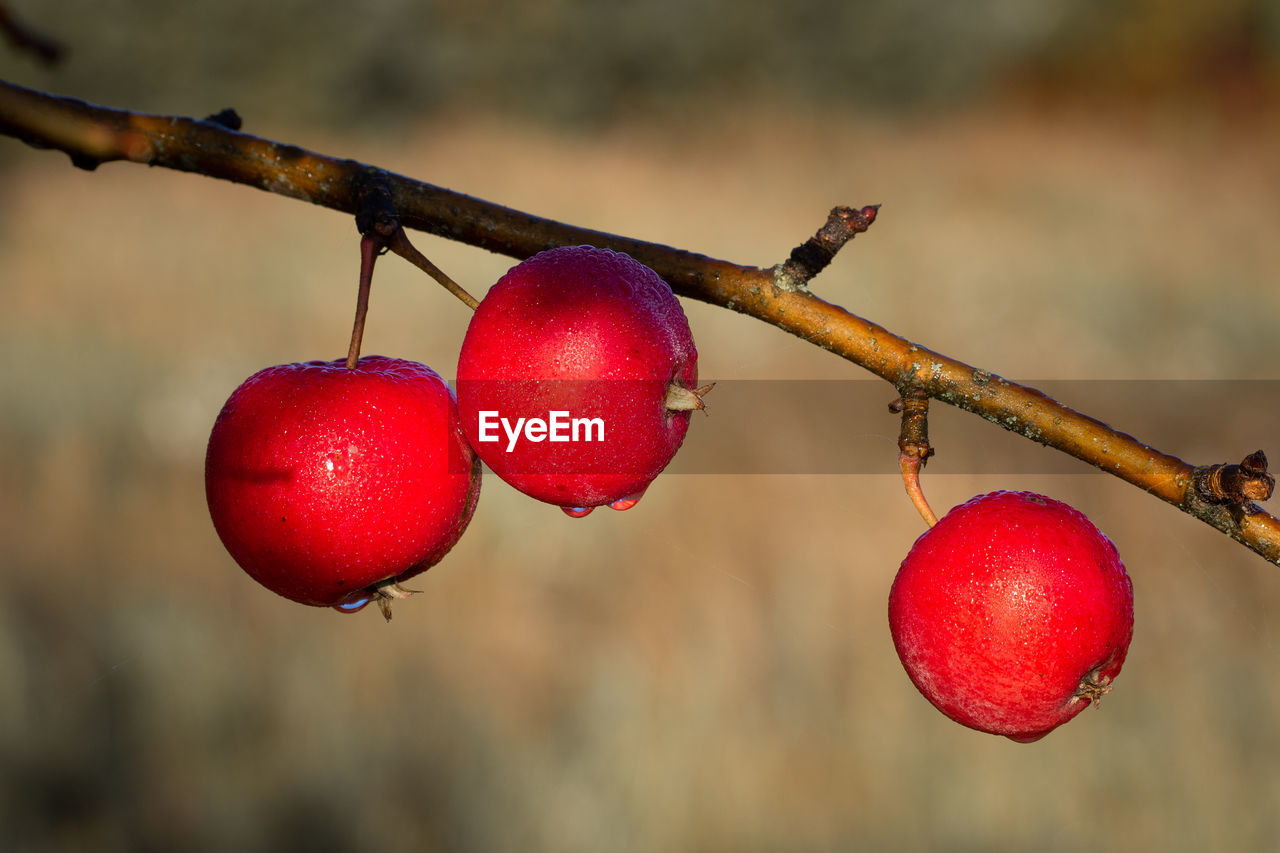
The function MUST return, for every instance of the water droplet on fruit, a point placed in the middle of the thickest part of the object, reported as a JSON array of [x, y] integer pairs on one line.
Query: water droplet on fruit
[[628, 502], [354, 604], [577, 511]]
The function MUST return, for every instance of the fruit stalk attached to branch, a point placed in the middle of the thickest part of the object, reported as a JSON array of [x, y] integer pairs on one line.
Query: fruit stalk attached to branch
[[369, 249], [376, 218], [914, 449]]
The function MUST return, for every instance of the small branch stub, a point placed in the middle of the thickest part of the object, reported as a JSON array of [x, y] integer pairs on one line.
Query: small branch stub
[[1236, 486], [228, 118], [914, 449], [813, 256]]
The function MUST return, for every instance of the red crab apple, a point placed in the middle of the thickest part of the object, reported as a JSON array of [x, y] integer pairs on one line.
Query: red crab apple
[[331, 485], [1012, 614], [577, 377]]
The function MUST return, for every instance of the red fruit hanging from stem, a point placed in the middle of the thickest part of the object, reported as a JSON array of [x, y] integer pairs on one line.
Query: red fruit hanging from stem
[[577, 377], [331, 485], [1012, 614]]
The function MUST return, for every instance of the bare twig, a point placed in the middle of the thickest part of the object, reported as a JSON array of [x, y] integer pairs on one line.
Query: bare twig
[[813, 255], [92, 135]]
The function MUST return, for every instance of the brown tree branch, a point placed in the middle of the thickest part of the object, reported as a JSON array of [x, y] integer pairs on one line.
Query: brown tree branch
[[93, 135]]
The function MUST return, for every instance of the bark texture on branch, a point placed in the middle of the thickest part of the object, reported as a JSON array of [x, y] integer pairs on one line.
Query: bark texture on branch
[[92, 135]]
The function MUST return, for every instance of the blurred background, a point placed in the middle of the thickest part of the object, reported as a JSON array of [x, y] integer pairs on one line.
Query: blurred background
[[1080, 194]]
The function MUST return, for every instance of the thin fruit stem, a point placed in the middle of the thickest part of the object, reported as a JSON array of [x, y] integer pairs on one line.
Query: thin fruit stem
[[398, 242], [914, 449], [910, 467], [370, 247]]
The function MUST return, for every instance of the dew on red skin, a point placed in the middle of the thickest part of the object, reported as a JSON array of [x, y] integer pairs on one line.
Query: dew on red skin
[[626, 503], [999, 638], [621, 339], [577, 511], [320, 479], [353, 605]]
